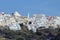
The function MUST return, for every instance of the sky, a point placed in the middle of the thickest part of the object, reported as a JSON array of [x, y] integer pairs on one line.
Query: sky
[[47, 7]]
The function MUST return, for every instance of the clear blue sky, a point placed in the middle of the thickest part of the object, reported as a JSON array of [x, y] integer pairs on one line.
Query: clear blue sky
[[48, 7]]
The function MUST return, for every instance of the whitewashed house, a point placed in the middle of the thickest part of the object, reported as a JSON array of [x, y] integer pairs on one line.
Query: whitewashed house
[[38, 20], [14, 26]]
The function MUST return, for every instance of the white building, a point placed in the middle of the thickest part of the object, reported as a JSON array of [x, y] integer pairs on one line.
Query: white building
[[2, 19], [14, 26], [57, 21], [38, 20]]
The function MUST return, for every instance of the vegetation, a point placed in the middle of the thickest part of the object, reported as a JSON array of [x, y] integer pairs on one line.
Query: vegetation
[[42, 34]]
